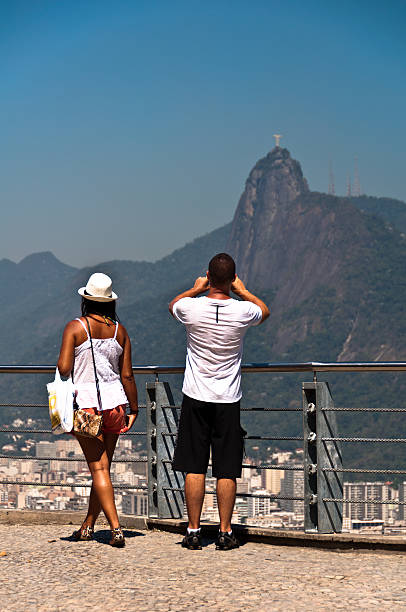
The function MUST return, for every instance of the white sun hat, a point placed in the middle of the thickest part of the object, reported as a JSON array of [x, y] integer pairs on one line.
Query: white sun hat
[[98, 288]]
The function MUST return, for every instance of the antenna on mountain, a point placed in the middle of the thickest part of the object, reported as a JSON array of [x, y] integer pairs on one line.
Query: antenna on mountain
[[348, 186], [331, 187], [357, 186], [277, 139]]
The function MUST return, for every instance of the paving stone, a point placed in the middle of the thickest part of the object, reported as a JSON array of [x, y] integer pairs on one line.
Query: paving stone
[[44, 571]]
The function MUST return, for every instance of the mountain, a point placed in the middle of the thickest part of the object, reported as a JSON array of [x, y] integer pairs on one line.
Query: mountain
[[331, 269], [272, 185], [392, 211], [336, 273], [29, 287]]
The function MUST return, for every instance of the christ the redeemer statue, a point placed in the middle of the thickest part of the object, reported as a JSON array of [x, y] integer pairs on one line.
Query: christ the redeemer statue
[[277, 139]]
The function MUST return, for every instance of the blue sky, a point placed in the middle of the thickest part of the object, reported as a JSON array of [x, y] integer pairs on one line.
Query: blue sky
[[129, 127]]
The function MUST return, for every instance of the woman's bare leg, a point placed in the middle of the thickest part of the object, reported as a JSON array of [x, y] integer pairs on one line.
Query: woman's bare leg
[[99, 455]]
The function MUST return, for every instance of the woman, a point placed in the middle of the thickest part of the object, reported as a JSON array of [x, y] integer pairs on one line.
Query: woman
[[112, 354]]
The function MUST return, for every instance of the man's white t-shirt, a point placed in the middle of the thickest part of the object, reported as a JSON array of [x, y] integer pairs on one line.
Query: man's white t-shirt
[[215, 332]]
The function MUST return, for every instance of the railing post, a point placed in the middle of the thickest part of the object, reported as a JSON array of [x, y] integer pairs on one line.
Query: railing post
[[318, 423], [162, 502]]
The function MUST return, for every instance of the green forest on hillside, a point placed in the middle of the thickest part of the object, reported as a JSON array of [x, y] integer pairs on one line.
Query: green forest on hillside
[[375, 288]]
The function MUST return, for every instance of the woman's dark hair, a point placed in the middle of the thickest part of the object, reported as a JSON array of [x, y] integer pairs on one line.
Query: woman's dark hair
[[105, 309]]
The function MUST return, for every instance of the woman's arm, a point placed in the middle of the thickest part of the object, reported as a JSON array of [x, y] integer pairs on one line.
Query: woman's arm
[[127, 378], [66, 355]]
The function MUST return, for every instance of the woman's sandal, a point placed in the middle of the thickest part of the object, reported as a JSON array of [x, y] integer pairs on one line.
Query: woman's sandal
[[117, 538], [84, 534]]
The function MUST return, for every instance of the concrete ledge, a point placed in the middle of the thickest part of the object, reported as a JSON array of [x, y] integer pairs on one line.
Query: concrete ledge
[[276, 537], [61, 517]]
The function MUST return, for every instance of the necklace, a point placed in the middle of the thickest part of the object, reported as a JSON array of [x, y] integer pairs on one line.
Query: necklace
[[105, 320]]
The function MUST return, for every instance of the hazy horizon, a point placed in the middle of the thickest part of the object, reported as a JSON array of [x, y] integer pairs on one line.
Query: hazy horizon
[[129, 129]]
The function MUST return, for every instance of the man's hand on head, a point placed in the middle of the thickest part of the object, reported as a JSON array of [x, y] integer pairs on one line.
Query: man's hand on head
[[237, 286], [240, 289], [201, 285]]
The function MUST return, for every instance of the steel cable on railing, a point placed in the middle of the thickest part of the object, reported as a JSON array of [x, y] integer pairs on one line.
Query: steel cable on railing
[[365, 501], [381, 440], [298, 409], [273, 467], [344, 409], [81, 458], [254, 409], [172, 435], [256, 495], [49, 431], [300, 438], [274, 497], [264, 466], [12, 405], [66, 484], [361, 471], [271, 409]]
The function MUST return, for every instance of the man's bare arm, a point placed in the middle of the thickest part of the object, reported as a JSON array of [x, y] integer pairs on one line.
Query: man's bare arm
[[239, 289], [201, 286]]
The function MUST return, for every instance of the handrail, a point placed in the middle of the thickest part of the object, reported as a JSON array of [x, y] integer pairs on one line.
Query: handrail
[[321, 440], [288, 367]]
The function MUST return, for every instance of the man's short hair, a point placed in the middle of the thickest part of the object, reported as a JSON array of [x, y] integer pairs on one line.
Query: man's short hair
[[222, 269]]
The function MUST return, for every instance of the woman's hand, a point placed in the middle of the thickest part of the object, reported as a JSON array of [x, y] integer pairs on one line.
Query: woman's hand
[[129, 421]]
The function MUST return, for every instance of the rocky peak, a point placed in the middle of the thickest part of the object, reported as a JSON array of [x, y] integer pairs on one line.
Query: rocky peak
[[272, 185], [278, 171]]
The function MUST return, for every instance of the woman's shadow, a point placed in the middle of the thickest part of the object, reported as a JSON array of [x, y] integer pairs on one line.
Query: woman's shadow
[[103, 536]]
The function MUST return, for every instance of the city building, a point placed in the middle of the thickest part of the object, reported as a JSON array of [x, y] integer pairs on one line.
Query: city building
[[135, 503], [292, 485], [358, 491], [271, 480], [261, 504]]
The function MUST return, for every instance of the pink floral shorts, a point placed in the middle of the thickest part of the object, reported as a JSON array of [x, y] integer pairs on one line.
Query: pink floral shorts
[[113, 419]]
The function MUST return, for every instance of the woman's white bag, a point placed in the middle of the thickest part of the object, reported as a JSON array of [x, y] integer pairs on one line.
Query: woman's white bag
[[61, 395]]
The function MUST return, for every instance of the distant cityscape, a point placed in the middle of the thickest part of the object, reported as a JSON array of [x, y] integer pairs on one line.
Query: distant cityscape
[[61, 461]]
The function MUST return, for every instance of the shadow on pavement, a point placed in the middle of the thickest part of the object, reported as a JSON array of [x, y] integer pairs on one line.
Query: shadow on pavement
[[210, 541], [103, 536]]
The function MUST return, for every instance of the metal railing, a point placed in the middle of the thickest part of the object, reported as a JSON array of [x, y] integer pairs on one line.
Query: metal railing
[[286, 367], [322, 467]]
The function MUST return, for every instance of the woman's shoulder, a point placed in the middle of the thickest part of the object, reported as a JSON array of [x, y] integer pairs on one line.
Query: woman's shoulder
[[121, 329], [122, 334], [78, 323], [74, 327]]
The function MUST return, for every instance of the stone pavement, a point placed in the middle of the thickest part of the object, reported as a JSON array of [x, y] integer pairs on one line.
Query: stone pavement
[[41, 569]]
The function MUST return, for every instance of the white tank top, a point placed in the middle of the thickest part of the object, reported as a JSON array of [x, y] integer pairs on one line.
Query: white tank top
[[107, 352]]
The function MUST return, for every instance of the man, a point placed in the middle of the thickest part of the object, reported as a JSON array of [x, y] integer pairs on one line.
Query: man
[[210, 417]]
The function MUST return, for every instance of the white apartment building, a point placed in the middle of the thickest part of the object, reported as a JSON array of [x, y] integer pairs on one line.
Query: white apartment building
[[367, 490], [261, 505]]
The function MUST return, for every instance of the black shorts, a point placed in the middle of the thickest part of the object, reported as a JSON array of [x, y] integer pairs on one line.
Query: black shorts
[[203, 425]]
